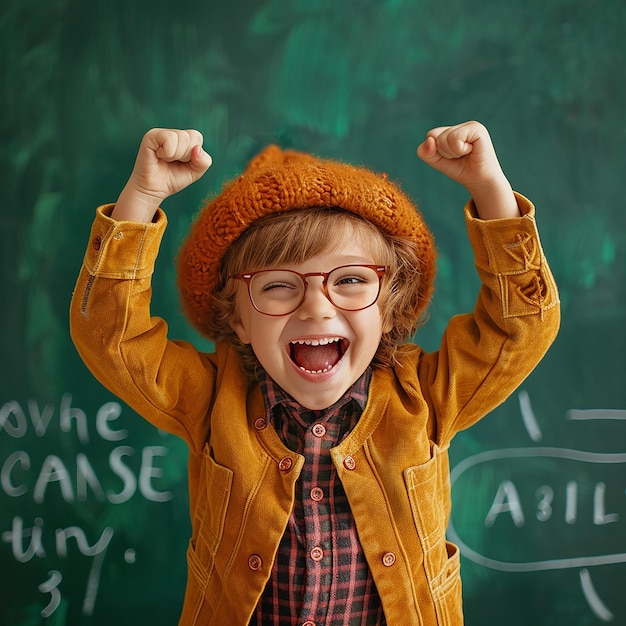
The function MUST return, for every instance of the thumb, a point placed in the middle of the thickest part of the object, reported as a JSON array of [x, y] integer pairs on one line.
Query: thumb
[[200, 161], [439, 157], [427, 151]]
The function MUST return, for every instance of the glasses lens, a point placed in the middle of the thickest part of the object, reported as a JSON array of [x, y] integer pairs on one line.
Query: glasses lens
[[276, 292], [353, 287]]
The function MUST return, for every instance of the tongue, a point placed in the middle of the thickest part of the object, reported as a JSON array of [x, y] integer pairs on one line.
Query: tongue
[[314, 358]]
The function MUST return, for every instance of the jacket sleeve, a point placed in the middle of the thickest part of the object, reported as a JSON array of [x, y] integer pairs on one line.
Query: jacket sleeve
[[486, 355], [169, 383]]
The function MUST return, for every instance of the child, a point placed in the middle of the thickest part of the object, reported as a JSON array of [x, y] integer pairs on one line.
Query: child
[[318, 466]]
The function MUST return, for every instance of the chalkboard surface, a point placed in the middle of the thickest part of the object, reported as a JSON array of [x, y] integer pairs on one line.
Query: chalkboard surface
[[93, 501]]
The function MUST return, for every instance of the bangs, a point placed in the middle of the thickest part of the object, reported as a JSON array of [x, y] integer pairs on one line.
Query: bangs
[[295, 236]]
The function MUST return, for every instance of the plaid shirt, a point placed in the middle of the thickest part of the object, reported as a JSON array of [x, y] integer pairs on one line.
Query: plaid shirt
[[320, 576]]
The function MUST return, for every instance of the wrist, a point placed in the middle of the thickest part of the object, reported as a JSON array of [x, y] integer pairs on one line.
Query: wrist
[[134, 205], [494, 199]]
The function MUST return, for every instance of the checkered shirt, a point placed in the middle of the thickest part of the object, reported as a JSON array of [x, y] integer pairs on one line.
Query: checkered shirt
[[320, 576]]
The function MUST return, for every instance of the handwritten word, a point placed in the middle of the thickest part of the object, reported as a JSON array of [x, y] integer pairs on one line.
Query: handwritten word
[[16, 468], [24, 551], [14, 420], [507, 500]]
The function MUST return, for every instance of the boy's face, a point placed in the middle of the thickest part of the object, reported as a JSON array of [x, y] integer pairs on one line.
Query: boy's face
[[349, 339]]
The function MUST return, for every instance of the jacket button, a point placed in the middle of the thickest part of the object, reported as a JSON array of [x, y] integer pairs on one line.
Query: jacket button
[[317, 494], [349, 463], [285, 464], [255, 562], [319, 430], [96, 242], [317, 554], [389, 558], [260, 423]]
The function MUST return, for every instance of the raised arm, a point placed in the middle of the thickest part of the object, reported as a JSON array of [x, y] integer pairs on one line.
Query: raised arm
[[484, 356], [125, 347]]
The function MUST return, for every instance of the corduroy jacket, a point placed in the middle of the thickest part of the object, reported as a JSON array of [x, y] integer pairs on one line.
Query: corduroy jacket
[[393, 465]]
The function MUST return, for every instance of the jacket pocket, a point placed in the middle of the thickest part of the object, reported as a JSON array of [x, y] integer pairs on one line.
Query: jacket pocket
[[428, 487], [196, 608], [447, 592], [210, 513]]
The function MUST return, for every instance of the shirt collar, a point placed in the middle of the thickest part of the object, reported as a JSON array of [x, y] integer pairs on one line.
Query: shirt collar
[[274, 395]]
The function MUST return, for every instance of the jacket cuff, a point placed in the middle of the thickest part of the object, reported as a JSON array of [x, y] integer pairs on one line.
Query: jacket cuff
[[505, 246], [123, 250]]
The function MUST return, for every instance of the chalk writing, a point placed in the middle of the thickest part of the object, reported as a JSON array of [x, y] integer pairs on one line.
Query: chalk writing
[[507, 500], [59, 477], [51, 586], [547, 485], [14, 420], [85, 480]]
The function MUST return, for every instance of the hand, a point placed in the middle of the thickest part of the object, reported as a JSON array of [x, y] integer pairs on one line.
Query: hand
[[167, 162], [465, 154]]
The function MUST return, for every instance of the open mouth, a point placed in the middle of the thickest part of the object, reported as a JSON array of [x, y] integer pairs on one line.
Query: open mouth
[[317, 356]]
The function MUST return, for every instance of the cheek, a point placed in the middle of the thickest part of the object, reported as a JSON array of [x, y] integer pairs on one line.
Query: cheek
[[261, 332], [371, 328]]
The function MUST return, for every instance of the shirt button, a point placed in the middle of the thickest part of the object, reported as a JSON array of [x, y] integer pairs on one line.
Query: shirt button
[[96, 242], [389, 558], [285, 464], [308, 623], [317, 494], [260, 423], [349, 463], [319, 430], [255, 562], [317, 554]]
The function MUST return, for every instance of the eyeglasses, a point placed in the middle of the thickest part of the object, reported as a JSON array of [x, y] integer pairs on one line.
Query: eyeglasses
[[280, 292]]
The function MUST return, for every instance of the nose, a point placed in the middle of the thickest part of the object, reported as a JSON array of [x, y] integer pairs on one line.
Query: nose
[[315, 304]]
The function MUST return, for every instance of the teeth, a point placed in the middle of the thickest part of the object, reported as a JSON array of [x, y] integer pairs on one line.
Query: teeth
[[327, 369], [317, 342]]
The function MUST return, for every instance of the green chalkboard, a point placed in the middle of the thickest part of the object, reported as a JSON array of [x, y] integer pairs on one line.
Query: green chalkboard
[[93, 501]]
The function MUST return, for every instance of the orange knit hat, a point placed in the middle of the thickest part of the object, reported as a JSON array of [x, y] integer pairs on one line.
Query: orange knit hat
[[281, 180]]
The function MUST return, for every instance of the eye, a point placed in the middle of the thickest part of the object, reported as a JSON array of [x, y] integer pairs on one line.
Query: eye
[[353, 276], [276, 285], [350, 280]]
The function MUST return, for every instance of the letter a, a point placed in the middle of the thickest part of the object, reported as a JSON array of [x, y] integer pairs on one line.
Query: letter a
[[506, 500]]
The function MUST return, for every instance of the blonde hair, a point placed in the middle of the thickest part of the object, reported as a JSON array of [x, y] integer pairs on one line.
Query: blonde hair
[[294, 236]]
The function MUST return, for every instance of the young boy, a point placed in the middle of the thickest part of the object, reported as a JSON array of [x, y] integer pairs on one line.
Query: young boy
[[318, 466]]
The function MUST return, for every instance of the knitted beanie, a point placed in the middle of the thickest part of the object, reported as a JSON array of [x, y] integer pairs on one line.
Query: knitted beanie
[[279, 180]]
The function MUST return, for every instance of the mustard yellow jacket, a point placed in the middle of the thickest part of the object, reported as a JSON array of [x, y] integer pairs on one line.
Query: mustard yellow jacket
[[393, 465]]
